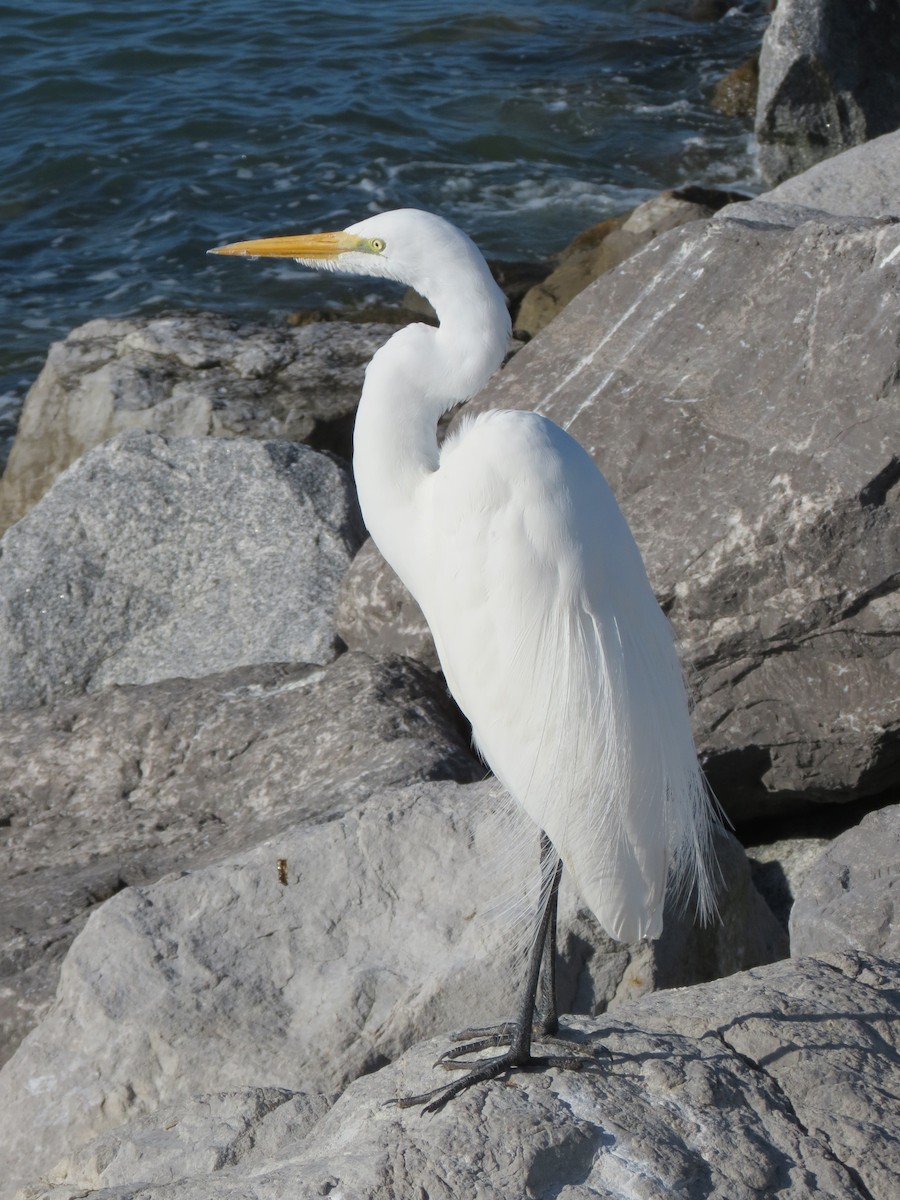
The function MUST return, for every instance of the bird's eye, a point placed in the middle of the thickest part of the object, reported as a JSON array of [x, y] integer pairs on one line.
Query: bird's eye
[[377, 245]]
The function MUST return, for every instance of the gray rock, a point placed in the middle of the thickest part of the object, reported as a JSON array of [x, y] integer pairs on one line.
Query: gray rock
[[152, 558], [187, 375], [827, 80], [737, 383], [376, 613], [782, 853], [826, 1034], [778, 869], [395, 924], [201, 1137], [781, 1081], [863, 181], [850, 897], [603, 247], [117, 788]]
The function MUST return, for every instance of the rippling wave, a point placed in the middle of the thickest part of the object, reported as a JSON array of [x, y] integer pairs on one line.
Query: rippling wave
[[135, 136]]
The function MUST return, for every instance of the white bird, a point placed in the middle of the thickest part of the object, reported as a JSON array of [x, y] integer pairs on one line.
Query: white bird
[[547, 628]]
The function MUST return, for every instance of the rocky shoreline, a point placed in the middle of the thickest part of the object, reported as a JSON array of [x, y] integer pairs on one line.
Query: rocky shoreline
[[249, 847]]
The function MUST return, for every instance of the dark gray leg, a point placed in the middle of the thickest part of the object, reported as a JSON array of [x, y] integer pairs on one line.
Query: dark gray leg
[[548, 1007], [518, 1033]]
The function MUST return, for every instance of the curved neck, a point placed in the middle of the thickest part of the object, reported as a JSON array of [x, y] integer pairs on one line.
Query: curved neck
[[411, 381]]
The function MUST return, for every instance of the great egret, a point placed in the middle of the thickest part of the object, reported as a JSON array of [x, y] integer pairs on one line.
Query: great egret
[[546, 626]]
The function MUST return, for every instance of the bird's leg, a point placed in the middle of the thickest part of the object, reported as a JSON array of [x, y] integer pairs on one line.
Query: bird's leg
[[517, 1033], [548, 1007], [548, 1023]]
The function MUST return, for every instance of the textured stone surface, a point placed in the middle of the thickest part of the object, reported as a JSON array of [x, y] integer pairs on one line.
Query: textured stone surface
[[850, 899], [600, 249], [376, 613], [827, 80], [201, 1137], [187, 375], [396, 923], [737, 383], [117, 788], [827, 1035], [765, 1084], [155, 557], [863, 181], [779, 868]]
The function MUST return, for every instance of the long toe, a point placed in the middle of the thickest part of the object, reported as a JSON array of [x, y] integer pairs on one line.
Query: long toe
[[515, 1058], [487, 1069], [449, 1056], [504, 1032]]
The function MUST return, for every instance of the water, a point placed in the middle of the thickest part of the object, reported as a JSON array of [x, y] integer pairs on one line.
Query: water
[[133, 136]]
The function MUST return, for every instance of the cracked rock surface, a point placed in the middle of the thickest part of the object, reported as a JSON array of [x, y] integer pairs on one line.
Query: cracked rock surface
[[396, 923], [780, 1081], [117, 788]]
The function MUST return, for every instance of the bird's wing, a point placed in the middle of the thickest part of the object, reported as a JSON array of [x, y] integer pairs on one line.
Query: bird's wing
[[555, 648]]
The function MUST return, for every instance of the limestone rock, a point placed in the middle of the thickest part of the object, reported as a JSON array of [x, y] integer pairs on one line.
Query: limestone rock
[[201, 1137], [393, 925], [117, 788], [825, 1033], [850, 898], [827, 80], [737, 383], [779, 1081], [152, 558], [863, 181], [187, 375]]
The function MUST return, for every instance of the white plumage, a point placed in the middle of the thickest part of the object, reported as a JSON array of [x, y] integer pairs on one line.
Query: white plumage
[[546, 626], [575, 691]]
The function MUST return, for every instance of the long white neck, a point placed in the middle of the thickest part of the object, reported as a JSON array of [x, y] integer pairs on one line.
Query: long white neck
[[410, 383]]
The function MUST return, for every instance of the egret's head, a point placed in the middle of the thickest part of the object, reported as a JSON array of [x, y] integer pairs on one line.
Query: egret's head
[[406, 245]]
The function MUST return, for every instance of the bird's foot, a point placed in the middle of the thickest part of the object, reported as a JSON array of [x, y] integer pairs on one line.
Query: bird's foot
[[451, 1058], [517, 1057], [481, 1072], [482, 1037]]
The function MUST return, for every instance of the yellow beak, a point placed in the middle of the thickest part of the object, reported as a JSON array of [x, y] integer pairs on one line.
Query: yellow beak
[[322, 246]]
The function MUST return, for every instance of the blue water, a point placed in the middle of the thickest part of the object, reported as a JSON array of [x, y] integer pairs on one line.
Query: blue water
[[134, 136]]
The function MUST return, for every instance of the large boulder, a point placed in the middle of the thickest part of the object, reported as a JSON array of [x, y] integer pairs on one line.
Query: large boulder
[[114, 789], [385, 925], [781, 1081], [737, 383], [185, 375], [153, 557], [827, 80], [849, 899]]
